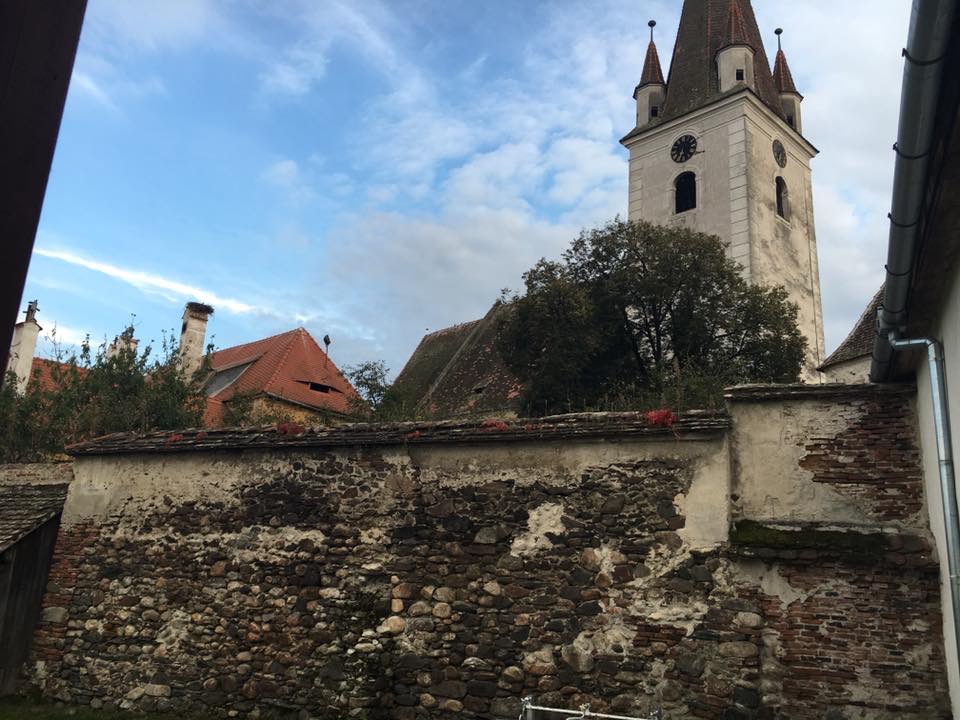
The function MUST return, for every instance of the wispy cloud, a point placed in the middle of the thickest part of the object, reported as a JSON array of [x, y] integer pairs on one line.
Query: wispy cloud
[[287, 176], [151, 282], [283, 308]]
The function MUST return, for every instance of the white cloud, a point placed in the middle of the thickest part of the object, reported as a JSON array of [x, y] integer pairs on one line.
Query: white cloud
[[143, 25], [505, 170], [287, 176], [153, 283], [541, 146], [84, 84], [302, 66], [282, 305]]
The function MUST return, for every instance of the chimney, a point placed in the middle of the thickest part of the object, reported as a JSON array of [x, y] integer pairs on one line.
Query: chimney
[[24, 347], [192, 334], [125, 342]]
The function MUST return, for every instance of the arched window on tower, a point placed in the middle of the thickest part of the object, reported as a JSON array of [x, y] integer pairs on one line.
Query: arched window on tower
[[783, 199], [685, 191]]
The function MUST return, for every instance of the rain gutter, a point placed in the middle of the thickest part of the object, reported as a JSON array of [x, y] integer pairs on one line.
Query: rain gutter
[[931, 25]]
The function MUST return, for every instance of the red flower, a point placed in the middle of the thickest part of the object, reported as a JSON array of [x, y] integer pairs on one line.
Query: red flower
[[414, 435], [202, 435], [660, 418], [176, 437], [289, 428], [490, 425]]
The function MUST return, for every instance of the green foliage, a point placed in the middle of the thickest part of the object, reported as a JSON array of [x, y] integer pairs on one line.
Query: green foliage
[[638, 315], [380, 401], [95, 393], [369, 378]]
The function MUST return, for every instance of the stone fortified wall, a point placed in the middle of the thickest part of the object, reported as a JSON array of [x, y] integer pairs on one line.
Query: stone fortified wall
[[773, 562]]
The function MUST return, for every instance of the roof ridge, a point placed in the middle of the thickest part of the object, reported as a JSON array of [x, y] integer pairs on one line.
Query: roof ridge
[[450, 327], [283, 358], [254, 342], [467, 342], [736, 26]]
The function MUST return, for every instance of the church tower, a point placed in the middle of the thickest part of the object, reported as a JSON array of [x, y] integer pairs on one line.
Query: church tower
[[718, 148]]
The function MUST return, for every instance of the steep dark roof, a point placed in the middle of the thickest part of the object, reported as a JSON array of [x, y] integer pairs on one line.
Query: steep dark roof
[[859, 343], [782, 77], [25, 507], [458, 372], [704, 30], [736, 27], [652, 72], [429, 359], [476, 381]]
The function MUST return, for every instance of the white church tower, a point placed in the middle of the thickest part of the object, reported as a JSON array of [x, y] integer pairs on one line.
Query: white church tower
[[718, 148]]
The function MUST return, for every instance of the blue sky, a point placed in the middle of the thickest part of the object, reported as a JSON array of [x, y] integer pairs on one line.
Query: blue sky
[[374, 170]]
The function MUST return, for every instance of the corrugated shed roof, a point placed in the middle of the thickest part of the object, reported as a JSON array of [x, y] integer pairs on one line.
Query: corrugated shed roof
[[859, 342], [25, 507], [285, 366]]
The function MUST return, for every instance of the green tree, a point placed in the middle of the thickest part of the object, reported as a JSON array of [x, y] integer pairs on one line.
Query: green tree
[[638, 315], [96, 392], [369, 379]]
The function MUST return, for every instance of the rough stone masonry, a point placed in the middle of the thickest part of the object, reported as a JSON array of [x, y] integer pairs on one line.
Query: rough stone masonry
[[772, 562]]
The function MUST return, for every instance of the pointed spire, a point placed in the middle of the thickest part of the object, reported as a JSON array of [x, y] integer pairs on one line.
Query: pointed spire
[[705, 29], [652, 72], [736, 26], [782, 76]]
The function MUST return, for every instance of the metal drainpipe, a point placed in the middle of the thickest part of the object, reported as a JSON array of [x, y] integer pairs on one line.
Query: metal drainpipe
[[948, 485]]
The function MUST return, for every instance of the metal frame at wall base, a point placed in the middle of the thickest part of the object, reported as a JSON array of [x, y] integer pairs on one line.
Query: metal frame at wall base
[[528, 712]]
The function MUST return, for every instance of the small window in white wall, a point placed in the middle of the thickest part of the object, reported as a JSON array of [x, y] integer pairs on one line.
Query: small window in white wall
[[685, 187], [783, 199], [740, 75]]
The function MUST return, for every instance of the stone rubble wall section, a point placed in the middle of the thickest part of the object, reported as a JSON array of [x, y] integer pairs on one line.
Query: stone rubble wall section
[[382, 582]]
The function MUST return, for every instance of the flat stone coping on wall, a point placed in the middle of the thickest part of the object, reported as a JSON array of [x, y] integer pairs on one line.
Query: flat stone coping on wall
[[695, 425], [826, 391]]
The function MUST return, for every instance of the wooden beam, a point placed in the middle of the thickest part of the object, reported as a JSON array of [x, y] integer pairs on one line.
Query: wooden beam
[[38, 44]]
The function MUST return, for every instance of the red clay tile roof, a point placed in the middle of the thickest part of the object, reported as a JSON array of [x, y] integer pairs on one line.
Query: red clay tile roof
[[704, 29], [652, 72], [859, 342], [782, 77], [44, 373], [213, 412], [285, 366]]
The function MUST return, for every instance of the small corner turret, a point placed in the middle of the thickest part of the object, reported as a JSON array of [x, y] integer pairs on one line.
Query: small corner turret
[[652, 90], [783, 79], [735, 56]]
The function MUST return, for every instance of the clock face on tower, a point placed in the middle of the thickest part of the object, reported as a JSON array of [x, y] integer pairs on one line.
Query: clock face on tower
[[779, 153], [683, 148]]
